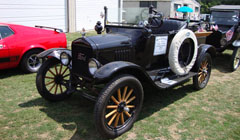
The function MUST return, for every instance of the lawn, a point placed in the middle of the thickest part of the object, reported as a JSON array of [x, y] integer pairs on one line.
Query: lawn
[[178, 113]]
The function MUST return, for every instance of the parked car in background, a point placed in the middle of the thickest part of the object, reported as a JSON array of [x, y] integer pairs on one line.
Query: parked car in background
[[225, 20], [19, 45]]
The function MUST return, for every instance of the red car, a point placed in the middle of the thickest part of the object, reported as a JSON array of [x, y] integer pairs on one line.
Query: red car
[[19, 45]]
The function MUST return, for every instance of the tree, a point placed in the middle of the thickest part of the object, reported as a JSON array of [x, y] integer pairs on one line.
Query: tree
[[207, 4]]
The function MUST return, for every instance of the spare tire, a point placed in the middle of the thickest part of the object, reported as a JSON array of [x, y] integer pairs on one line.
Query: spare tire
[[183, 52]]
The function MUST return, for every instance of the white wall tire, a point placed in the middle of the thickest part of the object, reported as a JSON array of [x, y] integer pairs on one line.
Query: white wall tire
[[175, 46]]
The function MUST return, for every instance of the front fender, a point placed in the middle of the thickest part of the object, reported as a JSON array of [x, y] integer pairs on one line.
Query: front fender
[[206, 48], [54, 52], [108, 70], [236, 43], [202, 49]]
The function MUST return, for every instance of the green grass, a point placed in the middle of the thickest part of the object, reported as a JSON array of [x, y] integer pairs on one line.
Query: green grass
[[179, 113]]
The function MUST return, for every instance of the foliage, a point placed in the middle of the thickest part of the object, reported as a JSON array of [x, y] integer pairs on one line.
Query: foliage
[[207, 4]]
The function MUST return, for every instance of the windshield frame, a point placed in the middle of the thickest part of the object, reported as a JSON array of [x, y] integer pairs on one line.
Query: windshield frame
[[224, 17]]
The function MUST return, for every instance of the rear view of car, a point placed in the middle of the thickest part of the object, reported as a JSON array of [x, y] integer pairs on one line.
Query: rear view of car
[[19, 45]]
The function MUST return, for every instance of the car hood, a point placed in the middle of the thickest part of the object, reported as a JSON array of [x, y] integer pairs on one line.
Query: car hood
[[110, 41]]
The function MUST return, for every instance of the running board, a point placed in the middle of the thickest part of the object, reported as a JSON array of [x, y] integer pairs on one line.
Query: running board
[[173, 81]]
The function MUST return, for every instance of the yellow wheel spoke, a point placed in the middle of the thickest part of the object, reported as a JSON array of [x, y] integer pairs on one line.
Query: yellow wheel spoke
[[199, 78], [56, 89], [52, 87], [117, 119], [122, 118], [65, 70], [49, 77], [119, 95], [129, 93], [115, 100], [131, 106], [112, 106], [113, 117], [61, 88], [52, 72], [129, 115], [49, 83], [131, 99], [124, 93], [111, 113], [56, 70], [60, 69]]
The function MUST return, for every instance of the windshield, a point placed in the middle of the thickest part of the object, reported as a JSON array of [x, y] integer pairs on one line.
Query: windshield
[[225, 17], [128, 16]]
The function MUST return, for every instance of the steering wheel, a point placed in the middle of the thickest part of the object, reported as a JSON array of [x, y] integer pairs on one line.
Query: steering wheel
[[155, 18]]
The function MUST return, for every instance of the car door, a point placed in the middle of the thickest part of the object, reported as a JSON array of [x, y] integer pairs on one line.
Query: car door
[[5, 32]]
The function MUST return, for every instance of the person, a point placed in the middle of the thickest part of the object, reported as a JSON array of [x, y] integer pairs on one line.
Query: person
[[176, 15]]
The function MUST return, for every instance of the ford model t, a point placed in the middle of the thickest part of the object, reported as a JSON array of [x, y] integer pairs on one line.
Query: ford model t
[[112, 68], [225, 20]]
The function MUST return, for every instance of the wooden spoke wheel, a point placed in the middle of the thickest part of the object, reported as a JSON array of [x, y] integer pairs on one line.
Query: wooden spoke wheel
[[235, 59], [52, 80], [204, 71], [118, 106]]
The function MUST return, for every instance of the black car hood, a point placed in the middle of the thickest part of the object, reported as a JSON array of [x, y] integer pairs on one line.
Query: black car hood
[[110, 41]]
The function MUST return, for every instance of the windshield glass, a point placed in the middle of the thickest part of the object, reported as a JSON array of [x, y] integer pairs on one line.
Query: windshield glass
[[128, 16], [225, 17]]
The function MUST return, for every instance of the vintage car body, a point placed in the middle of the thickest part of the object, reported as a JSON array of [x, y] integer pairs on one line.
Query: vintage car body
[[227, 20], [19, 43], [112, 68]]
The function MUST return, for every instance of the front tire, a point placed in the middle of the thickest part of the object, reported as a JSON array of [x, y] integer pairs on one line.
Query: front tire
[[118, 106], [52, 80], [204, 71], [235, 59]]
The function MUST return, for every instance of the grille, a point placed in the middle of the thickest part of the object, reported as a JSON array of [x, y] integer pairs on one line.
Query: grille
[[123, 55]]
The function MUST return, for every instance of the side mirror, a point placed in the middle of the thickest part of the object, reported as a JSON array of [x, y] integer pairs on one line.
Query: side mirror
[[98, 27]]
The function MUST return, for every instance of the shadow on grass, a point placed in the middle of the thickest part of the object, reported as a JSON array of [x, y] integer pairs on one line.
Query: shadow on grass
[[10, 72], [222, 62], [76, 113]]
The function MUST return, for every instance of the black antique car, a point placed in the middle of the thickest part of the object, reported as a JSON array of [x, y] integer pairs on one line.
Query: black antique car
[[225, 20], [113, 68]]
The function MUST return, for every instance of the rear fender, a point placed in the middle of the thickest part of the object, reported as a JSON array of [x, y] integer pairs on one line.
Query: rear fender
[[31, 47], [54, 52], [109, 70]]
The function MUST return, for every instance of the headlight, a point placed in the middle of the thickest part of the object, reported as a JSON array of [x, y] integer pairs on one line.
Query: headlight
[[223, 41], [65, 58], [93, 65]]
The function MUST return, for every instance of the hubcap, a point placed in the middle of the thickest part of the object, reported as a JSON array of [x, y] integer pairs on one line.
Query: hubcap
[[34, 62], [203, 72], [120, 108]]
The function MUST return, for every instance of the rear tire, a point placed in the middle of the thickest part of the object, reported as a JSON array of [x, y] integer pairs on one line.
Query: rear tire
[[204, 71], [30, 62], [235, 59], [116, 96], [52, 80]]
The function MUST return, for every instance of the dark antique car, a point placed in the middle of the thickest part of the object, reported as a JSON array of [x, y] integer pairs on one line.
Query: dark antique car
[[113, 68], [226, 31]]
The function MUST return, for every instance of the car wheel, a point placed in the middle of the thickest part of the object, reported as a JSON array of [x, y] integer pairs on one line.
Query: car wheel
[[30, 62], [235, 62], [52, 80], [204, 71], [118, 106], [183, 52]]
